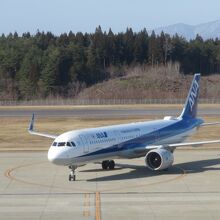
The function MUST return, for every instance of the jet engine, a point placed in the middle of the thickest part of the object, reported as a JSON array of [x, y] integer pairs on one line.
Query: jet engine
[[159, 159]]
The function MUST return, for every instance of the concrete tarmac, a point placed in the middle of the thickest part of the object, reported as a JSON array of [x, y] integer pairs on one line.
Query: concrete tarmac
[[32, 188]]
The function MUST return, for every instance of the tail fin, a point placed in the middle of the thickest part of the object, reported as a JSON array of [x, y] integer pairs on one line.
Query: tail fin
[[190, 108]]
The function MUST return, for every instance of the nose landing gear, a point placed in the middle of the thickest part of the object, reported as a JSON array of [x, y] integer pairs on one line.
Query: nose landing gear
[[106, 164], [72, 176]]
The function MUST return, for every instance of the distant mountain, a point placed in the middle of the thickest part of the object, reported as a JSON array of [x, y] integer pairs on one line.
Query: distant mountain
[[206, 30]]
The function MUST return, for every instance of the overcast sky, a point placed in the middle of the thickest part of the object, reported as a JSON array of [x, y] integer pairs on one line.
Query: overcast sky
[[60, 16]]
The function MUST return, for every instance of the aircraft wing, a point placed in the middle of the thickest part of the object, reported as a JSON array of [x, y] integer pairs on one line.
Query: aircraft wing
[[31, 130], [184, 144], [173, 146]]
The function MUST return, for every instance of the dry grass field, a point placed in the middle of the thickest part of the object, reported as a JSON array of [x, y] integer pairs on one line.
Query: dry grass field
[[14, 135]]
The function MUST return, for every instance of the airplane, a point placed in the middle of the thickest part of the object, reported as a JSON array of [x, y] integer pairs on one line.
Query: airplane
[[154, 140]]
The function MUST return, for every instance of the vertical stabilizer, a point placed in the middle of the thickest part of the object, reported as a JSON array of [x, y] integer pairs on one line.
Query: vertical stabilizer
[[190, 108]]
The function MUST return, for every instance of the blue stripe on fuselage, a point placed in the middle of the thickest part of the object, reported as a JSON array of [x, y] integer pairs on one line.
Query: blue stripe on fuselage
[[177, 128]]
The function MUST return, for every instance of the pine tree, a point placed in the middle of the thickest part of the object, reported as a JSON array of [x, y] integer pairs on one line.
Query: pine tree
[[29, 74]]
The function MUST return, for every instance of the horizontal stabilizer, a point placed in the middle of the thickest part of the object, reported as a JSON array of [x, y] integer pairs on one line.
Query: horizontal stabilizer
[[210, 123]]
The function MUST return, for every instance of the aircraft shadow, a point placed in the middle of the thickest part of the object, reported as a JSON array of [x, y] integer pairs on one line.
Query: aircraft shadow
[[142, 171], [117, 167]]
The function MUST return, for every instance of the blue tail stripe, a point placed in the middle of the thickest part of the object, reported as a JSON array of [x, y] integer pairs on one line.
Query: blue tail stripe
[[190, 108]]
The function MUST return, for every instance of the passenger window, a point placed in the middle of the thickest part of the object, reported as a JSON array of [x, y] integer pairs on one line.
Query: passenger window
[[54, 144], [73, 144], [61, 144]]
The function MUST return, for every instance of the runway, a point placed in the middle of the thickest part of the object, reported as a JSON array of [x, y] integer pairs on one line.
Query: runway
[[109, 112], [32, 188]]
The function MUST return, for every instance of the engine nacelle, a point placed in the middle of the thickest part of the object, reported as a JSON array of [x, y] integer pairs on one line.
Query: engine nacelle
[[159, 159]]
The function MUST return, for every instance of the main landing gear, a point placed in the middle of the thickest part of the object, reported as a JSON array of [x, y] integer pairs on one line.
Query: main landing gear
[[108, 164], [72, 176]]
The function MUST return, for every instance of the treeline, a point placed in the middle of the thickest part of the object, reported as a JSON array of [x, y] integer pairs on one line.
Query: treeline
[[42, 65]]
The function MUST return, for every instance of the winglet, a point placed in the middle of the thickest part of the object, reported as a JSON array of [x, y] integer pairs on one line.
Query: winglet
[[31, 130], [190, 108], [31, 125]]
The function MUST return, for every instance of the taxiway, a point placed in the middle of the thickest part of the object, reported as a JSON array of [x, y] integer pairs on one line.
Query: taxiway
[[32, 188]]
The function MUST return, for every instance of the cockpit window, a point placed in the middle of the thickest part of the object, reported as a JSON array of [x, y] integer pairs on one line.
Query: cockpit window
[[61, 144]]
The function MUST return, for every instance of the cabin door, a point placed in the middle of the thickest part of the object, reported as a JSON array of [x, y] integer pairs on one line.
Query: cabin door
[[84, 143]]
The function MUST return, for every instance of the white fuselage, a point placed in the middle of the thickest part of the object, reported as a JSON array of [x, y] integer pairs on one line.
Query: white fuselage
[[118, 141]]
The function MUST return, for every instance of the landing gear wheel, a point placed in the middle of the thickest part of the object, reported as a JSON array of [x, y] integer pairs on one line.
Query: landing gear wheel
[[105, 164], [72, 176], [108, 164], [111, 165]]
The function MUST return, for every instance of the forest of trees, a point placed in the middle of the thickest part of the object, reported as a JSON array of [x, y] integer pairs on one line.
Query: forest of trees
[[44, 65]]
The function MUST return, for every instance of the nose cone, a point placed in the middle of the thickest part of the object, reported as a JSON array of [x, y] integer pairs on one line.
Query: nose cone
[[58, 156]]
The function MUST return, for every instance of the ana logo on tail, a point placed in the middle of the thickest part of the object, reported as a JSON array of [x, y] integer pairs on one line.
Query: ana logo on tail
[[193, 94]]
